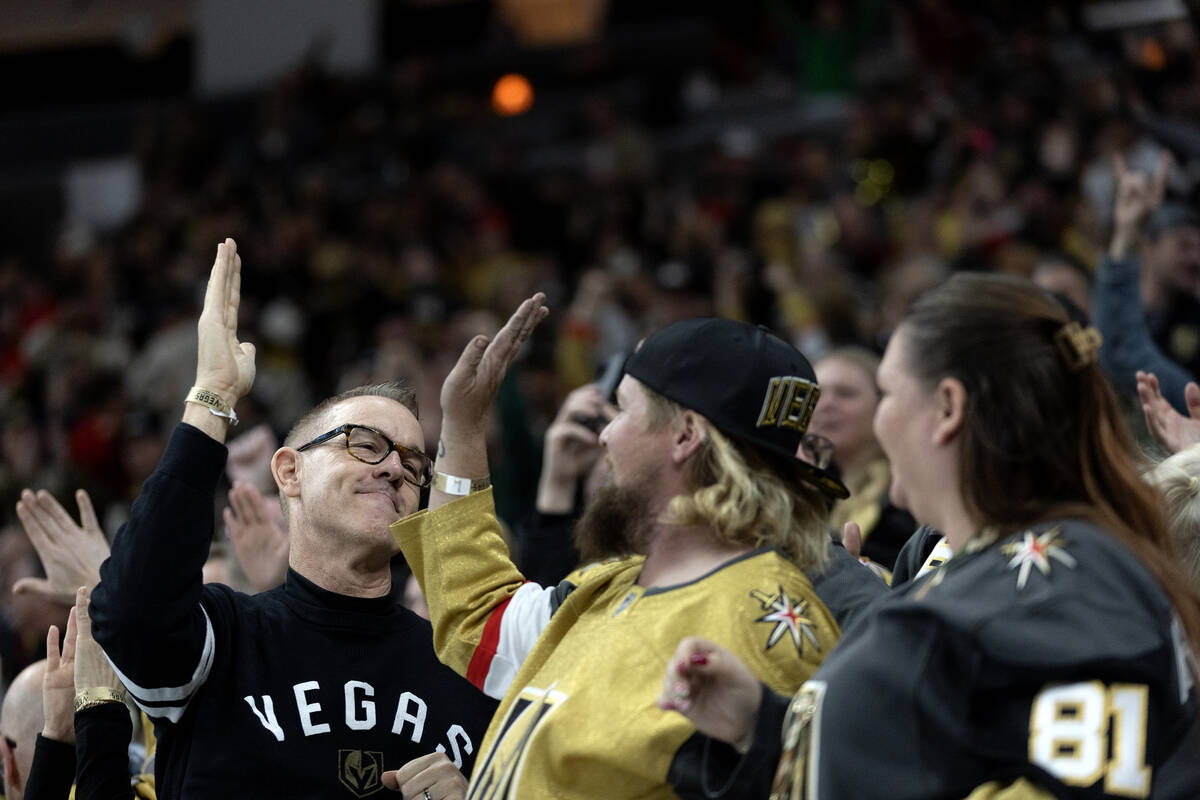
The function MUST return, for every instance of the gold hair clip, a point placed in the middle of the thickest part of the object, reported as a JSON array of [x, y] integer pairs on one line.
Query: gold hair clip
[[1079, 346]]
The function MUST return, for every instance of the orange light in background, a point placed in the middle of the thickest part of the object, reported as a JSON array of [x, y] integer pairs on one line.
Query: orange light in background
[[512, 95], [1153, 56]]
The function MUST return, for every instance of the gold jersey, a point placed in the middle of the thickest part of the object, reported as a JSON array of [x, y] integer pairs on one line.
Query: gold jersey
[[581, 665]]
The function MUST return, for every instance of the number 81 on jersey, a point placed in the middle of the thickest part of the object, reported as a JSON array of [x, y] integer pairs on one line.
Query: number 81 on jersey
[[1069, 731]]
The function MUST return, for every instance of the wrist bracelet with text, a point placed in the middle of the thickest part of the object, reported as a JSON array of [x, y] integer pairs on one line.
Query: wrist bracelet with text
[[215, 404], [452, 484], [98, 695]]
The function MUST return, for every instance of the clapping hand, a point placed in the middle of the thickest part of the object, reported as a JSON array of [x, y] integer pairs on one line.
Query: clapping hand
[[71, 553], [712, 688], [58, 684], [259, 536], [1169, 428], [92, 669]]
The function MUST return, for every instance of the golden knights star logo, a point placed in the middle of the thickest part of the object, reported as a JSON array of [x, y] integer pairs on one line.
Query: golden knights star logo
[[787, 617], [1037, 551], [361, 771]]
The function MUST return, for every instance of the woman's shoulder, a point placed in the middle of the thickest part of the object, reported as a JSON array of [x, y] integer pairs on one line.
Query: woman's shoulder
[[1063, 591]]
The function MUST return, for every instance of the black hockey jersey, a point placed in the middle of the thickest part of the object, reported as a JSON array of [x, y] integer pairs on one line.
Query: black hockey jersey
[[1051, 656]]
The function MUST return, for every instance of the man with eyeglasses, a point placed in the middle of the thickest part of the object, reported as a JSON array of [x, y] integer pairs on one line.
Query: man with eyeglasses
[[717, 520], [325, 686]]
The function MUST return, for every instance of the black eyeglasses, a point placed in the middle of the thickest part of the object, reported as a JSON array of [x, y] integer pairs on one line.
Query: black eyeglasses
[[372, 447]]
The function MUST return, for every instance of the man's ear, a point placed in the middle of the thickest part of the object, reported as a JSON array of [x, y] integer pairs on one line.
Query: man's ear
[[690, 432], [951, 400], [285, 466]]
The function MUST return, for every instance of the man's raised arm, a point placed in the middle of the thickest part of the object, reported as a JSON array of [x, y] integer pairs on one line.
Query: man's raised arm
[[147, 612], [485, 617]]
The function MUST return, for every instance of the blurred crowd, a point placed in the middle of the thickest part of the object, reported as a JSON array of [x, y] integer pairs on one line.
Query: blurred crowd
[[382, 223]]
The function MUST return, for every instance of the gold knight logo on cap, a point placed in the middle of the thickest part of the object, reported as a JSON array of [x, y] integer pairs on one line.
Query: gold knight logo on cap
[[361, 771], [789, 403]]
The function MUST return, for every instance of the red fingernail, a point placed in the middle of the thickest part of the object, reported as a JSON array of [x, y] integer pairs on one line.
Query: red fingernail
[[681, 666], [699, 659]]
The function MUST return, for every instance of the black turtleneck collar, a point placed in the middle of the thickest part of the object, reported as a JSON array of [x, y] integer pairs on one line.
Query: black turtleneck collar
[[324, 606]]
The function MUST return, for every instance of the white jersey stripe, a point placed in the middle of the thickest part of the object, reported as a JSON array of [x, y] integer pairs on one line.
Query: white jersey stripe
[[527, 615], [144, 697]]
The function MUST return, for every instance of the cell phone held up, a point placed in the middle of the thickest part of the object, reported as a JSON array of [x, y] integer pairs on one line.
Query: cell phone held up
[[610, 376]]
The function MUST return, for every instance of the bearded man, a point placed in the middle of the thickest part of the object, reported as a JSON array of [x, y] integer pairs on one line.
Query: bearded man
[[724, 518]]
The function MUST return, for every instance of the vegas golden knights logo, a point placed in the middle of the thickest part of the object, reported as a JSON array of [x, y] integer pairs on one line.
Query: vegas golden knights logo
[[497, 778], [361, 771], [789, 403]]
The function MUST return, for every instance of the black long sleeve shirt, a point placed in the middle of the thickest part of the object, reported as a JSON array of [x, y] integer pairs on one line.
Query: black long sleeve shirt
[[296, 692]]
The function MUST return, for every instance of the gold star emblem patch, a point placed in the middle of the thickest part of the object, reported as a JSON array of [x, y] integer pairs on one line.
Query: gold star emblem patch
[[787, 618], [1036, 550]]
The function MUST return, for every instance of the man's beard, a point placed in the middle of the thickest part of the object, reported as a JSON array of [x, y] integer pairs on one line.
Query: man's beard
[[615, 524]]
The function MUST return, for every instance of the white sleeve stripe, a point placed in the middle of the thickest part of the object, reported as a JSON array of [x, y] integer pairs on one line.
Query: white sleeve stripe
[[172, 713], [143, 695], [527, 615]]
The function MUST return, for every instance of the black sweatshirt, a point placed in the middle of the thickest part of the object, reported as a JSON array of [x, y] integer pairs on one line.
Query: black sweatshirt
[[296, 692]]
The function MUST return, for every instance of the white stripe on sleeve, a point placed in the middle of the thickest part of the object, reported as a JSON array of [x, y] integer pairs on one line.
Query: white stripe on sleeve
[[527, 615], [149, 700]]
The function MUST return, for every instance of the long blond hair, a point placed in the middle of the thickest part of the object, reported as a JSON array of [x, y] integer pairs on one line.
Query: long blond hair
[[748, 498], [1178, 478]]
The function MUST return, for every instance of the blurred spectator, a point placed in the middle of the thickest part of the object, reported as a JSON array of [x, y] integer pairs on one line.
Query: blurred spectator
[[685, 172], [1064, 276], [20, 723], [1161, 333], [844, 415]]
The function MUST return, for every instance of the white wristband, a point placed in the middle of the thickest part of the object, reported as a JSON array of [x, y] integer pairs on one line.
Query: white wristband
[[452, 484], [215, 404]]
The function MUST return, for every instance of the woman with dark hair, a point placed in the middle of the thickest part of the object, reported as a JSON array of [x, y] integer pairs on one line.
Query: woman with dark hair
[[1052, 656]]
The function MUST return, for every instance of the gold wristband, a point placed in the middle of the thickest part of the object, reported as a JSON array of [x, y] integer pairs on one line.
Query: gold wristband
[[98, 695], [452, 484], [215, 404]]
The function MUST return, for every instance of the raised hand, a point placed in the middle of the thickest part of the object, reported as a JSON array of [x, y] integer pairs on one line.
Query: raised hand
[[224, 365], [58, 684], [259, 536], [91, 667], [71, 553], [1169, 428], [431, 777], [1137, 195], [712, 688], [471, 386]]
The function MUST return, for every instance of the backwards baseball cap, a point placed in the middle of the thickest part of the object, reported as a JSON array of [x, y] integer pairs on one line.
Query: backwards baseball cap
[[752, 385]]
